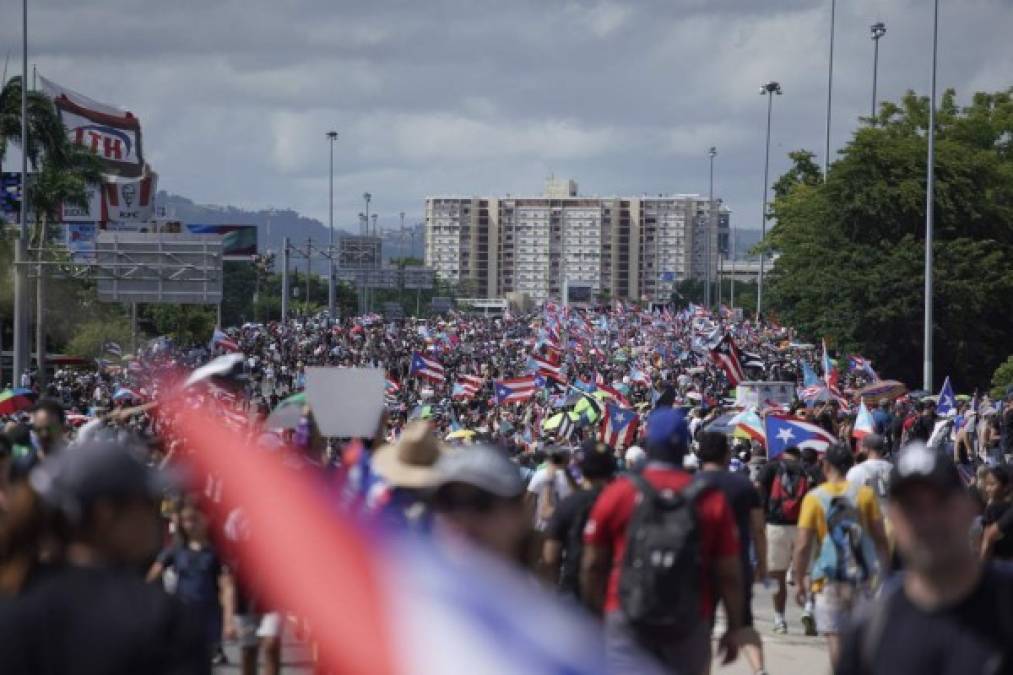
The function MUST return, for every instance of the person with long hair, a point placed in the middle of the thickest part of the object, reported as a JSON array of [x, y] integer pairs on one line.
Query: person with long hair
[[997, 489], [202, 581]]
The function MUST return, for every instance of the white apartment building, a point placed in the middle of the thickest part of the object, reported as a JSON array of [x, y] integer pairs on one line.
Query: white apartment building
[[626, 247]]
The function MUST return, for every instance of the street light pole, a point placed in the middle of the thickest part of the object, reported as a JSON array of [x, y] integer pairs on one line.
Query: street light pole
[[21, 353], [367, 197], [768, 89], [830, 87], [878, 30], [710, 227], [333, 136], [929, 207]]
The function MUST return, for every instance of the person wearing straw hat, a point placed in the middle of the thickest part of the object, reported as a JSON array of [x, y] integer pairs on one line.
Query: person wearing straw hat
[[407, 468]]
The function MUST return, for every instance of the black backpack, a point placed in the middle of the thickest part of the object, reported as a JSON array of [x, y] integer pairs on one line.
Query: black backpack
[[659, 584]]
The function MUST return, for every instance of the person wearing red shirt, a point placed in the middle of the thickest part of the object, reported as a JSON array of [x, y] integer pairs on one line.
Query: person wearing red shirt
[[687, 649]]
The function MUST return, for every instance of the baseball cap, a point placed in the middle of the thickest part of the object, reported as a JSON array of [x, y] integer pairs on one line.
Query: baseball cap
[[481, 466], [72, 481], [919, 464], [667, 428]]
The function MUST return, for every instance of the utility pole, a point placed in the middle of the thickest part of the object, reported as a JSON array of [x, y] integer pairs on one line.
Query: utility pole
[[284, 280], [930, 187], [710, 227], [333, 136], [878, 30], [769, 89], [309, 271], [830, 87], [21, 348]]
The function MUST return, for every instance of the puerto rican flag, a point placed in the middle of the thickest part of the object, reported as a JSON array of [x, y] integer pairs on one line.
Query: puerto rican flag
[[726, 356], [467, 386], [783, 431], [426, 368], [392, 386], [830, 374], [619, 427], [517, 390], [220, 339], [547, 368], [864, 424]]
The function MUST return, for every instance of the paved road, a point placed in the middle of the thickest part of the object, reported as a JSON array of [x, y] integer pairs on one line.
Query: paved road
[[791, 654]]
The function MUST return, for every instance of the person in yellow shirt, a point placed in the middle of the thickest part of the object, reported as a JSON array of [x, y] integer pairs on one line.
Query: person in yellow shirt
[[842, 523]]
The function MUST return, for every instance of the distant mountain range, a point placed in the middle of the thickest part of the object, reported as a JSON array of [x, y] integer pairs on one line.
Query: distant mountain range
[[275, 224]]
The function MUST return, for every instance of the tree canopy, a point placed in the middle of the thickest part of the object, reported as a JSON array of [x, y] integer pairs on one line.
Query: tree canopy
[[851, 249]]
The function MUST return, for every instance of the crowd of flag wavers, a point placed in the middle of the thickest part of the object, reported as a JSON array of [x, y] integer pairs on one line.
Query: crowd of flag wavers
[[392, 489]]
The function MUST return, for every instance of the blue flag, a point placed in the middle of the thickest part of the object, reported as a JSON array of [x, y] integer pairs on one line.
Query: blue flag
[[947, 401]]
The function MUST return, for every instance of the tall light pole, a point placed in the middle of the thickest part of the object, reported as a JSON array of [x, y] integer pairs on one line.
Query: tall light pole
[[712, 153], [21, 348], [878, 30], [769, 90], [367, 198], [830, 86], [930, 186], [332, 136]]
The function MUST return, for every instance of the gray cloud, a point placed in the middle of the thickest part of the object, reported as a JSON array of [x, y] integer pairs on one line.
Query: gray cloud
[[466, 97]]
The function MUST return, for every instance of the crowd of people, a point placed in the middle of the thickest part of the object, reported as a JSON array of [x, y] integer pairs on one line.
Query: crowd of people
[[601, 452]]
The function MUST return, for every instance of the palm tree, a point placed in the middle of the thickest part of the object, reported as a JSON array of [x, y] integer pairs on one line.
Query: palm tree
[[46, 134], [63, 171]]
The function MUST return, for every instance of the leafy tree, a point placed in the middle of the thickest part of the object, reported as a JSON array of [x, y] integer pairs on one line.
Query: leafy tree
[[1002, 378], [185, 324], [851, 250], [91, 337]]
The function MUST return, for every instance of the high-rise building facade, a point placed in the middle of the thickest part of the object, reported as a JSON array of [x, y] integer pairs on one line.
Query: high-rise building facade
[[625, 247]]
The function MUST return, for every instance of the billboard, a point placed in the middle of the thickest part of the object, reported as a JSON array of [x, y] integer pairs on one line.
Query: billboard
[[239, 242], [129, 199], [90, 213], [112, 134], [81, 241], [10, 196]]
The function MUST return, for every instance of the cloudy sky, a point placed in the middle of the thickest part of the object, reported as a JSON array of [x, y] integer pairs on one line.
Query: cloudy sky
[[490, 97]]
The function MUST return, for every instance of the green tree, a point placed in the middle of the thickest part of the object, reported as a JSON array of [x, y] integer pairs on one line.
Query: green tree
[[185, 324], [91, 337], [851, 249], [1002, 378]]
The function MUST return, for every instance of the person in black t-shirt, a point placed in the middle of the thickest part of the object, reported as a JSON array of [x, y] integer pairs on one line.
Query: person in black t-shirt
[[714, 454], [88, 611], [948, 613], [564, 535]]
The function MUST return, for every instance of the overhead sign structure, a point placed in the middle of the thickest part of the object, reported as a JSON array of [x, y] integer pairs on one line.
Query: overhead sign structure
[[381, 278], [159, 268], [359, 252], [419, 277]]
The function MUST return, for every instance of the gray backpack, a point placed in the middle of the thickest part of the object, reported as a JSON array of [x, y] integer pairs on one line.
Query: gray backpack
[[659, 583]]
